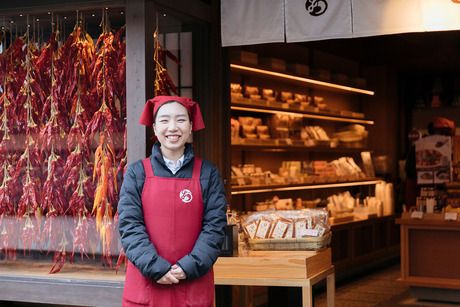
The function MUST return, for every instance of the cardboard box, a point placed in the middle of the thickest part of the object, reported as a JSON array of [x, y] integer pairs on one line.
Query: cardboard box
[[299, 69], [273, 64], [244, 57]]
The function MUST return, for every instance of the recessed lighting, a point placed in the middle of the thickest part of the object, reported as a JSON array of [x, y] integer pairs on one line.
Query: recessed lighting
[[49, 13], [122, 12], [164, 15], [65, 17], [38, 19], [106, 8], [11, 21], [93, 14]]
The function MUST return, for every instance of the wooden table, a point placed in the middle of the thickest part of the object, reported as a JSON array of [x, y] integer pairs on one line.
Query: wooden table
[[429, 256], [280, 269]]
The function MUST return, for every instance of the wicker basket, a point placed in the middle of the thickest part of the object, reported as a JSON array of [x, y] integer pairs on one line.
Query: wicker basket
[[307, 243]]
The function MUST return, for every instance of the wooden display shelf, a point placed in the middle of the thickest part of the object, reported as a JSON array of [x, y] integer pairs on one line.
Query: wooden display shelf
[[319, 148], [313, 83], [280, 269], [237, 106], [429, 252], [296, 187]]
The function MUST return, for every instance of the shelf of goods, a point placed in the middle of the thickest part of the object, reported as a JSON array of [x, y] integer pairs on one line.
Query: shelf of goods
[[251, 106], [300, 80], [295, 147], [296, 187], [360, 240]]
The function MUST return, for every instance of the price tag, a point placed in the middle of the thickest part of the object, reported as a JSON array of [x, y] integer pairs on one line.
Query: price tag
[[450, 216], [312, 232], [417, 215]]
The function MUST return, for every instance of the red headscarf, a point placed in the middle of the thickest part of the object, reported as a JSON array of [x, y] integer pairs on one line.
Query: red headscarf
[[152, 105]]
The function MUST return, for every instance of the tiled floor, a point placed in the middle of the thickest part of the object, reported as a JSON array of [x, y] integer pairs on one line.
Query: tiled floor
[[378, 289]]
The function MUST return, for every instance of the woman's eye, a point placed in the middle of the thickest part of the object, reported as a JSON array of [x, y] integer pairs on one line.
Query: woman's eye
[[163, 121], [181, 120]]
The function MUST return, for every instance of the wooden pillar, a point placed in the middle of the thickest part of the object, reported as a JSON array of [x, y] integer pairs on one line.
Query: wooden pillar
[[140, 24]]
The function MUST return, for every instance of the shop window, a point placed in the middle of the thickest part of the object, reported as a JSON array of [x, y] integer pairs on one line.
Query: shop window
[[62, 138]]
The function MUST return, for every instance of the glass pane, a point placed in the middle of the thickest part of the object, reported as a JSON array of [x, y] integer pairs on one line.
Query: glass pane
[[186, 59], [62, 146]]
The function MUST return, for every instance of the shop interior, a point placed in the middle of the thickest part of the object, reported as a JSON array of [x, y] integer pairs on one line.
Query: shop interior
[[280, 134]]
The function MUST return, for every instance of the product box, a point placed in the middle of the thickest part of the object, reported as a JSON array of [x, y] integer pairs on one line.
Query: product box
[[273, 64], [299, 69], [244, 57], [433, 162]]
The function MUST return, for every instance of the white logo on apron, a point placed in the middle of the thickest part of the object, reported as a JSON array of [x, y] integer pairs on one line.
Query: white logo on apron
[[186, 196]]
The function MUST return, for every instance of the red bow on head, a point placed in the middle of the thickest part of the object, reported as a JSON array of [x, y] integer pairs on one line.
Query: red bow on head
[[152, 105]]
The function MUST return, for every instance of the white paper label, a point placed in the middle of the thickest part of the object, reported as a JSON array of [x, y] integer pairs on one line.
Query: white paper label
[[450, 216], [417, 215], [312, 232]]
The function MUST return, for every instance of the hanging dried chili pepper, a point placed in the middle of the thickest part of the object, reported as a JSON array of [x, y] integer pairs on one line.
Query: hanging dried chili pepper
[[60, 255], [53, 197], [163, 82]]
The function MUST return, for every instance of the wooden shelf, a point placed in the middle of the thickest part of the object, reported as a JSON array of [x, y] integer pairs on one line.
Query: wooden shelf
[[237, 106], [252, 147], [300, 80], [296, 187]]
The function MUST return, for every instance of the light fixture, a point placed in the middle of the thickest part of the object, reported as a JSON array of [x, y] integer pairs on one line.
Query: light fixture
[[313, 116], [305, 187], [92, 15], [20, 15], [301, 79]]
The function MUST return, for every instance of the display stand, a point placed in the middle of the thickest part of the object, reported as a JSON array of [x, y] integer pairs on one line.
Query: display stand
[[429, 251], [280, 269]]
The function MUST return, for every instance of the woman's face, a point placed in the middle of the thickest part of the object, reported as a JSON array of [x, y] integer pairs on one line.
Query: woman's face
[[172, 127]]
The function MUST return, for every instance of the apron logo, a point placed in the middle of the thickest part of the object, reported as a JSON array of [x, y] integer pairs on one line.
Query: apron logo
[[186, 196], [316, 7]]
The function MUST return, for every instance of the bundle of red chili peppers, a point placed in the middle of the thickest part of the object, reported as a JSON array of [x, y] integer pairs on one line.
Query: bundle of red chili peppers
[[63, 144]]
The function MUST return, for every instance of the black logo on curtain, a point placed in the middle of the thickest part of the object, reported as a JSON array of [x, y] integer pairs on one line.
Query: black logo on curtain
[[316, 7]]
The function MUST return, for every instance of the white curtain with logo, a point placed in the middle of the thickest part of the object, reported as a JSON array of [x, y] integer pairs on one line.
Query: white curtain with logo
[[245, 22], [308, 20]]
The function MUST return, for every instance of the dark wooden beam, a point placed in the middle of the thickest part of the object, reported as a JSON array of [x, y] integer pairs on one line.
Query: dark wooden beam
[[140, 25]]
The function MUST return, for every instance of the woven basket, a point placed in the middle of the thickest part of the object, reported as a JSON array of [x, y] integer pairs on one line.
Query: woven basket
[[307, 243]]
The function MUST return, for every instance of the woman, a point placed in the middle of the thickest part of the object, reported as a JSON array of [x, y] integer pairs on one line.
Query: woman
[[171, 213]]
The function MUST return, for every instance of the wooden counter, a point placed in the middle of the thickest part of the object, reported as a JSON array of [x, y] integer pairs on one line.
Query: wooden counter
[[279, 268], [430, 252], [26, 281]]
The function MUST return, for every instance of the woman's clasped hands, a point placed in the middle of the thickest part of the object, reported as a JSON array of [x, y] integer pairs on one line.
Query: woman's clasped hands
[[173, 276]]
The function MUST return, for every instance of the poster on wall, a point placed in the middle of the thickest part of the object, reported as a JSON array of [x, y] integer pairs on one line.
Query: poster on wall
[[433, 159]]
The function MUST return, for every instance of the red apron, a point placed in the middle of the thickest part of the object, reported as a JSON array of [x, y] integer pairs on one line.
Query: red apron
[[173, 214]]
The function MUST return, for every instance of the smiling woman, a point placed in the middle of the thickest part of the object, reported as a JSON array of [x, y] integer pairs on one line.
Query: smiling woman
[[172, 213], [172, 128]]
